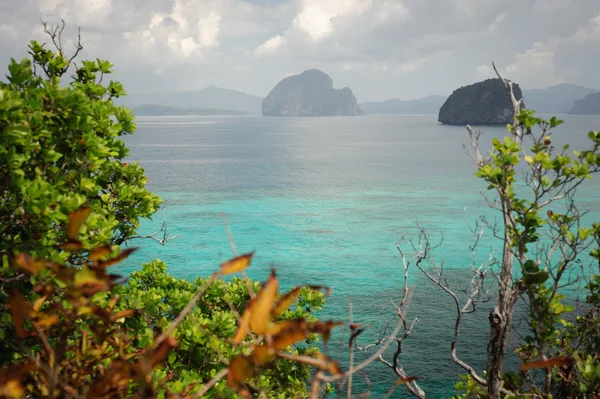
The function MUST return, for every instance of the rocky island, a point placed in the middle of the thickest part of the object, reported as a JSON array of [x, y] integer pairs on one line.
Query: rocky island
[[309, 94], [482, 103], [589, 105]]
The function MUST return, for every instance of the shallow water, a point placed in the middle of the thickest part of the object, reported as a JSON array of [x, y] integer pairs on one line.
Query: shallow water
[[325, 200]]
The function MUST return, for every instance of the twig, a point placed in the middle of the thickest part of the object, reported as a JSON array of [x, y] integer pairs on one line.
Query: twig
[[211, 383], [184, 311]]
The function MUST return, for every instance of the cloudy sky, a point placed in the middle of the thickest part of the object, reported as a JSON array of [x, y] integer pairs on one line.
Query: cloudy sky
[[379, 48]]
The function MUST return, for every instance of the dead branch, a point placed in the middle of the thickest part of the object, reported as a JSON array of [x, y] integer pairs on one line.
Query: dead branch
[[163, 231], [516, 104]]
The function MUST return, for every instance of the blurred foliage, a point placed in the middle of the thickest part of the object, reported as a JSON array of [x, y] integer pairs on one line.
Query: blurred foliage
[[159, 336]]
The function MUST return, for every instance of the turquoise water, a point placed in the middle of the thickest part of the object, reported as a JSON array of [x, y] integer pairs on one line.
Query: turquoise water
[[325, 200]]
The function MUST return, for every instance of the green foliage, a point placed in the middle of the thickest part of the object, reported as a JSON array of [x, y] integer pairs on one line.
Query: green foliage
[[60, 148], [205, 336], [545, 235]]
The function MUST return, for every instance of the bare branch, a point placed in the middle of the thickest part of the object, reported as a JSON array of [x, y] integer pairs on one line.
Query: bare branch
[[163, 231]]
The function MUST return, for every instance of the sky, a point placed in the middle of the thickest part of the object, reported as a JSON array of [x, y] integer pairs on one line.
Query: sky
[[379, 48]]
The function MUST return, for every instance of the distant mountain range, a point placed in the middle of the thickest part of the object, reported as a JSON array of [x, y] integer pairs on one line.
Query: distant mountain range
[[425, 105], [158, 110], [557, 99], [210, 97], [213, 100]]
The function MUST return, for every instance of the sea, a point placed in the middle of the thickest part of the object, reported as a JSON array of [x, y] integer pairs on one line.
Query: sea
[[327, 201]]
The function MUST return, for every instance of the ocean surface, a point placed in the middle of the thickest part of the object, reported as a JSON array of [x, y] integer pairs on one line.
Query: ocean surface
[[325, 201]]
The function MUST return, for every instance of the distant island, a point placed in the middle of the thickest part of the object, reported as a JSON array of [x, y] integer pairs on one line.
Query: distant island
[[557, 99], [482, 103], [163, 110], [425, 105], [589, 105], [309, 94]]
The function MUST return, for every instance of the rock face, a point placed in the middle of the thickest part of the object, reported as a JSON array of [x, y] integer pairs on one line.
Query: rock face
[[589, 105], [309, 94], [482, 103]]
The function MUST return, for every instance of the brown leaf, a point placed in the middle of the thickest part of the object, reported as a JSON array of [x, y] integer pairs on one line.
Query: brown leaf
[[260, 316], [76, 220], [326, 290], [237, 264], [244, 327], [122, 314], [122, 256], [240, 368], [319, 361], [30, 265], [11, 377], [285, 302], [157, 356], [71, 246], [355, 331], [116, 378], [324, 328], [20, 310], [100, 252], [91, 281], [548, 363]]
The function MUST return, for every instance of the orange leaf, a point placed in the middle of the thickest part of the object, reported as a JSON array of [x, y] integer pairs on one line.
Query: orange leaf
[[406, 380], [76, 220], [71, 246], [30, 265], [287, 325], [37, 304], [122, 256], [263, 305], [286, 301], [262, 354], [289, 337], [236, 264], [243, 328], [100, 252], [240, 368], [45, 320], [548, 363]]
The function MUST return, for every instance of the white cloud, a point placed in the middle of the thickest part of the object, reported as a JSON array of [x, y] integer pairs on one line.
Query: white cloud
[[271, 46], [209, 29], [535, 68], [379, 48]]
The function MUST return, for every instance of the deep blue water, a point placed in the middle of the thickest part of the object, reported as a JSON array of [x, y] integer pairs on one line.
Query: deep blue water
[[325, 200]]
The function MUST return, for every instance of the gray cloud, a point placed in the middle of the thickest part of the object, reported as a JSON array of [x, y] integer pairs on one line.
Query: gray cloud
[[379, 48]]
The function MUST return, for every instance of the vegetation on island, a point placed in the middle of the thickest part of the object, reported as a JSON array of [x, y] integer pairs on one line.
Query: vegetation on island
[[482, 103], [71, 204]]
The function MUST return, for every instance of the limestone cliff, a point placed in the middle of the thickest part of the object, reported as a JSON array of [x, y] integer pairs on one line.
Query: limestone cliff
[[482, 103], [309, 94]]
